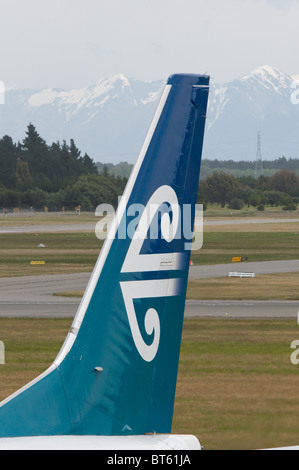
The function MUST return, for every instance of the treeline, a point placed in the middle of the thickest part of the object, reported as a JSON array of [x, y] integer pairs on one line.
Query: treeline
[[281, 189], [236, 168], [291, 164], [247, 168], [36, 175], [33, 174]]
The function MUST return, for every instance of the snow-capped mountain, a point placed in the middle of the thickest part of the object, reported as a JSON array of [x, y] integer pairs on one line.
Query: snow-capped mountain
[[260, 101], [109, 120]]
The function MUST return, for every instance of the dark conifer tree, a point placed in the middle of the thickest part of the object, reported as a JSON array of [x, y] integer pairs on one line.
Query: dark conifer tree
[[35, 153], [8, 162]]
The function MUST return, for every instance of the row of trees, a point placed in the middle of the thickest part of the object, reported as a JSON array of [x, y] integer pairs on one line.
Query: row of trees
[[247, 168], [87, 192], [281, 189], [282, 163], [34, 164], [33, 174]]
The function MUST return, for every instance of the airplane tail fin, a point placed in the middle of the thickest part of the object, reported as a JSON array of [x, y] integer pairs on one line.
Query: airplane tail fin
[[116, 372]]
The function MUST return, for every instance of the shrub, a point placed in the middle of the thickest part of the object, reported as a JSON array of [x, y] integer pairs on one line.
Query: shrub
[[236, 203]]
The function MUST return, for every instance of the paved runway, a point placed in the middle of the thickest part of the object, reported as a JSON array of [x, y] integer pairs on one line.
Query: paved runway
[[242, 309], [194, 309], [260, 267], [30, 296], [49, 228], [63, 227]]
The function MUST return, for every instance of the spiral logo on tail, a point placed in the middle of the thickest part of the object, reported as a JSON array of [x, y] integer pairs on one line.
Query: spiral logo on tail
[[137, 262]]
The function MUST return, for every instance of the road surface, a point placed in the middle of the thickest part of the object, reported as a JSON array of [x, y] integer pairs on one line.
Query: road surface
[[63, 227], [32, 296]]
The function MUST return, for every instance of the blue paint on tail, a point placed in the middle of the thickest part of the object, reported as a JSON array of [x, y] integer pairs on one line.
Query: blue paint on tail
[[116, 372]]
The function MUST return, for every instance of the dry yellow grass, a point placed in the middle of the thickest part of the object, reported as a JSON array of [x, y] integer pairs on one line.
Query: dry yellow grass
[[72, 293]]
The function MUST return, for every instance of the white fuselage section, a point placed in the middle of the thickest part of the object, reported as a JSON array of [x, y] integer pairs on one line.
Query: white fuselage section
[[147, 442]]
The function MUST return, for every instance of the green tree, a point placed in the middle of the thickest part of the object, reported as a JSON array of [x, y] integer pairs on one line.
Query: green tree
[[89, 165], [34, 198], [23, 176], [220, 188], [35, 153], [74, 151], [273, 197], [236, 203], [285, 181], [8, 162], [105, 172], [257, 198]]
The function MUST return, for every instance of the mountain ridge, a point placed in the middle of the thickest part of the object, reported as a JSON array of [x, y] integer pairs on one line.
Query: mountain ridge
[[110, 118]]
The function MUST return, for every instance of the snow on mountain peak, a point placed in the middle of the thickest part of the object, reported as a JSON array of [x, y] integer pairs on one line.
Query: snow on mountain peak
[[79, 97], [122, 78], [269, 78], [258, 100], [49, 96], [107, 84], [266, 72], [46, 96]]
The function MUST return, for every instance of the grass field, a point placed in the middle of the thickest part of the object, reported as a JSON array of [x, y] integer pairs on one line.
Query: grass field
[[220, 247], [237, 388], [45, 218], [216, 211], [76, 252], [63, 253]]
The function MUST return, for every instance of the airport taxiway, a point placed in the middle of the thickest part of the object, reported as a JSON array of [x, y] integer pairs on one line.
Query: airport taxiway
[[194, 309], [90, 226], [32, 296]]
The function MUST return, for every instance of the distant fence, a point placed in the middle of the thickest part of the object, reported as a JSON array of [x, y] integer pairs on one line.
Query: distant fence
[[19, 211]]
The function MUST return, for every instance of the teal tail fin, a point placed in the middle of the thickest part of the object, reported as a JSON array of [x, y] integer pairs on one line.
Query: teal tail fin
[[116, 372]]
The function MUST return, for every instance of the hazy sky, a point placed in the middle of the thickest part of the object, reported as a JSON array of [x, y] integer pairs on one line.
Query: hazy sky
[[74, 43]]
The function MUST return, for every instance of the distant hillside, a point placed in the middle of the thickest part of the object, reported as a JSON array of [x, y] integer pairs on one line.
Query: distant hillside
[[122, 169], [235, 168], [247, 168]]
